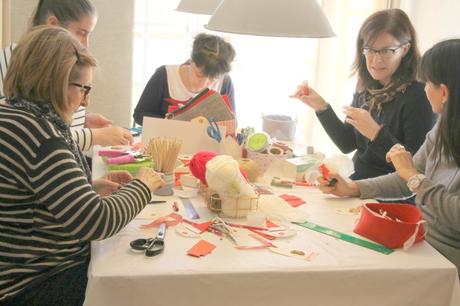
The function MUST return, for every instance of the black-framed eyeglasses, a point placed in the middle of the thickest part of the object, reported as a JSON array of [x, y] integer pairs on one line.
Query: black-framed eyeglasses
[[85, 89], [384, 52]]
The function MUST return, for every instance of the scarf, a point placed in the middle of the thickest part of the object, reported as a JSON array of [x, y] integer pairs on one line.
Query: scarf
[[375, 98], [45, 111]]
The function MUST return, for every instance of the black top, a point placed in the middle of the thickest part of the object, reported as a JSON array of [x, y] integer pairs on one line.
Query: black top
[[405, 120], [154, 98]]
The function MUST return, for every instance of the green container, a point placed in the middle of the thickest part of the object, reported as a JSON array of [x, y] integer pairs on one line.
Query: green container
[[132, 168]]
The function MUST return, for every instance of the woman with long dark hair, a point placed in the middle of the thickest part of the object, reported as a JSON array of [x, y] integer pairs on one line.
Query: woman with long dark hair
[[433, 174]]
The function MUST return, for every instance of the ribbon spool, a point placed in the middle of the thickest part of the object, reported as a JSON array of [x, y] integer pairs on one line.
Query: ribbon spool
[[250, 167], [258, 142], [276, 151]]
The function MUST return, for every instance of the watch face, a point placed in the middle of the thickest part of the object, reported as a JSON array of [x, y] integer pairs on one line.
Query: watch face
[[415, 181]]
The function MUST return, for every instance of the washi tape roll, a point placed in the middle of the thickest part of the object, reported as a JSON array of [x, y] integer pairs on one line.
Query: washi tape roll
[[258, 142], [276, 151]]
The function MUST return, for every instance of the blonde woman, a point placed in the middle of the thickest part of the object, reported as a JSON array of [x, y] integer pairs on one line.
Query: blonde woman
[[49, 210]]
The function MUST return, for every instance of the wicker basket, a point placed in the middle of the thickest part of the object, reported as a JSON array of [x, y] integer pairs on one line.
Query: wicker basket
[[233, 207]]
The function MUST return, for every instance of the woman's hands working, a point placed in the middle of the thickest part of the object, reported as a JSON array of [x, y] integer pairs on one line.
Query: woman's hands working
[[402, 161], [362, 121], [309, 97], [111, 182], [359, 118], [111, 136], [114, 180]]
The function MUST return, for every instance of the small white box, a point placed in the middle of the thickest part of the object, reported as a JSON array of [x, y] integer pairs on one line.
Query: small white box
[[296, 167]]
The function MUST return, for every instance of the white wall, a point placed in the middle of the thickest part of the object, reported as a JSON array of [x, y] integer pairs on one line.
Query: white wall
[[111, 43], [434, 20]]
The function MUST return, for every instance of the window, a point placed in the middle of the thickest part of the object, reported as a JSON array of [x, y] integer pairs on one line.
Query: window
[[267, 69]]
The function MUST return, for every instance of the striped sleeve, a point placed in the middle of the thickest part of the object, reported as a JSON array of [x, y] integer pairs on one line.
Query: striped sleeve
[[78, 118], [83, 137], [60, 185]]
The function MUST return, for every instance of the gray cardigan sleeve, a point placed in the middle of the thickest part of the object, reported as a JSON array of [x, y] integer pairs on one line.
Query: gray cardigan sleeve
[[442, 198], [392, 185]]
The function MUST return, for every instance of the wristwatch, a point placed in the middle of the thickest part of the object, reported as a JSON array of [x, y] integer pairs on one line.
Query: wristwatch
[[414, 181]]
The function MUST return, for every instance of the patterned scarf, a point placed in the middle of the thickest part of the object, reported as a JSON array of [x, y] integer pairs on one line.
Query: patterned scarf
[[375, 98], [45, 111]]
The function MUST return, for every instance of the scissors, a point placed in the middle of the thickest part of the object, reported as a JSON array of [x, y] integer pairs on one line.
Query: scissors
[[213, 130], [151, 246]]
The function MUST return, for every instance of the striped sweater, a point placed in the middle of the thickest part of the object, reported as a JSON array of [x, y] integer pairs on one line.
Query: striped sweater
[[48, 211], [80, 134]]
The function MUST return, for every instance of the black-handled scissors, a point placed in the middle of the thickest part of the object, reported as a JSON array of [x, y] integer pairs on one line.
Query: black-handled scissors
[[151, 246]]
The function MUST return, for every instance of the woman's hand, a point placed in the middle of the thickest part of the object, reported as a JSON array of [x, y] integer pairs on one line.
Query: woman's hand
[[111, 182], [150, 178], [112, 136], [402, 161], [362, 120], [309, 97], [104, 187], [121, 177], [96, 121], [341, 188]]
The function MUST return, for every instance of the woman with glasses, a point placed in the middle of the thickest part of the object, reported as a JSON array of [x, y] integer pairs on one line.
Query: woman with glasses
[[50, 210], [79, 17], [434, 171], [389, 106], [172, 86]]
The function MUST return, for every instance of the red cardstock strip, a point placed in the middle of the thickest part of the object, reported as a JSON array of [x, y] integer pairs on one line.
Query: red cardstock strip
[[170, 220], [292, 200], [201, 248]]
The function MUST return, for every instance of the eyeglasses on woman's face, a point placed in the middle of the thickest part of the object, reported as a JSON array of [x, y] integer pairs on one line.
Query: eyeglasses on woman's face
[[85, 89], [384, 53]]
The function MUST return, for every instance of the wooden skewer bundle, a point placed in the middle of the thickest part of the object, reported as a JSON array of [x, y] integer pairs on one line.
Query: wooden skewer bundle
[[164, 152]]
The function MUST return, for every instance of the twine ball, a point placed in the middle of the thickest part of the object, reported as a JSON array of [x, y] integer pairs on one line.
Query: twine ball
[[249, 167], [198, 164]]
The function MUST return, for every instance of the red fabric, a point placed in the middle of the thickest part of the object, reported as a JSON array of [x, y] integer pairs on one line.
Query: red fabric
[[387, 230], [175, 104]]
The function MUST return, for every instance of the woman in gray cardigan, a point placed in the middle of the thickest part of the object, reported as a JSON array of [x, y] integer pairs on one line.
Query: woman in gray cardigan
[[433, 173]]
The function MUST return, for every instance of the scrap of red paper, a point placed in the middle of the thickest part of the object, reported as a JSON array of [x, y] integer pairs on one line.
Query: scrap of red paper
[[324, 171], [294, 201], [201, 248], [200, 226], [270, 224], [170, 220]]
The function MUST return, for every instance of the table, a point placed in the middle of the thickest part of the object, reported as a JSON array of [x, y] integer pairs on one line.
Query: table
[[342, 274]]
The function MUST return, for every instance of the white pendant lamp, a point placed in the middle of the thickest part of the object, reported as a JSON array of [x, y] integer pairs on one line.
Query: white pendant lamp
[[281, 18], [205, 7]]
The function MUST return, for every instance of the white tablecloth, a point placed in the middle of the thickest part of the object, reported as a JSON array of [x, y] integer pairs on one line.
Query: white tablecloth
[[342, 274]]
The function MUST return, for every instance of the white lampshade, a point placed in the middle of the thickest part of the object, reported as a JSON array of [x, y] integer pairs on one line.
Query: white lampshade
[[205, 7], [281, 18]]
